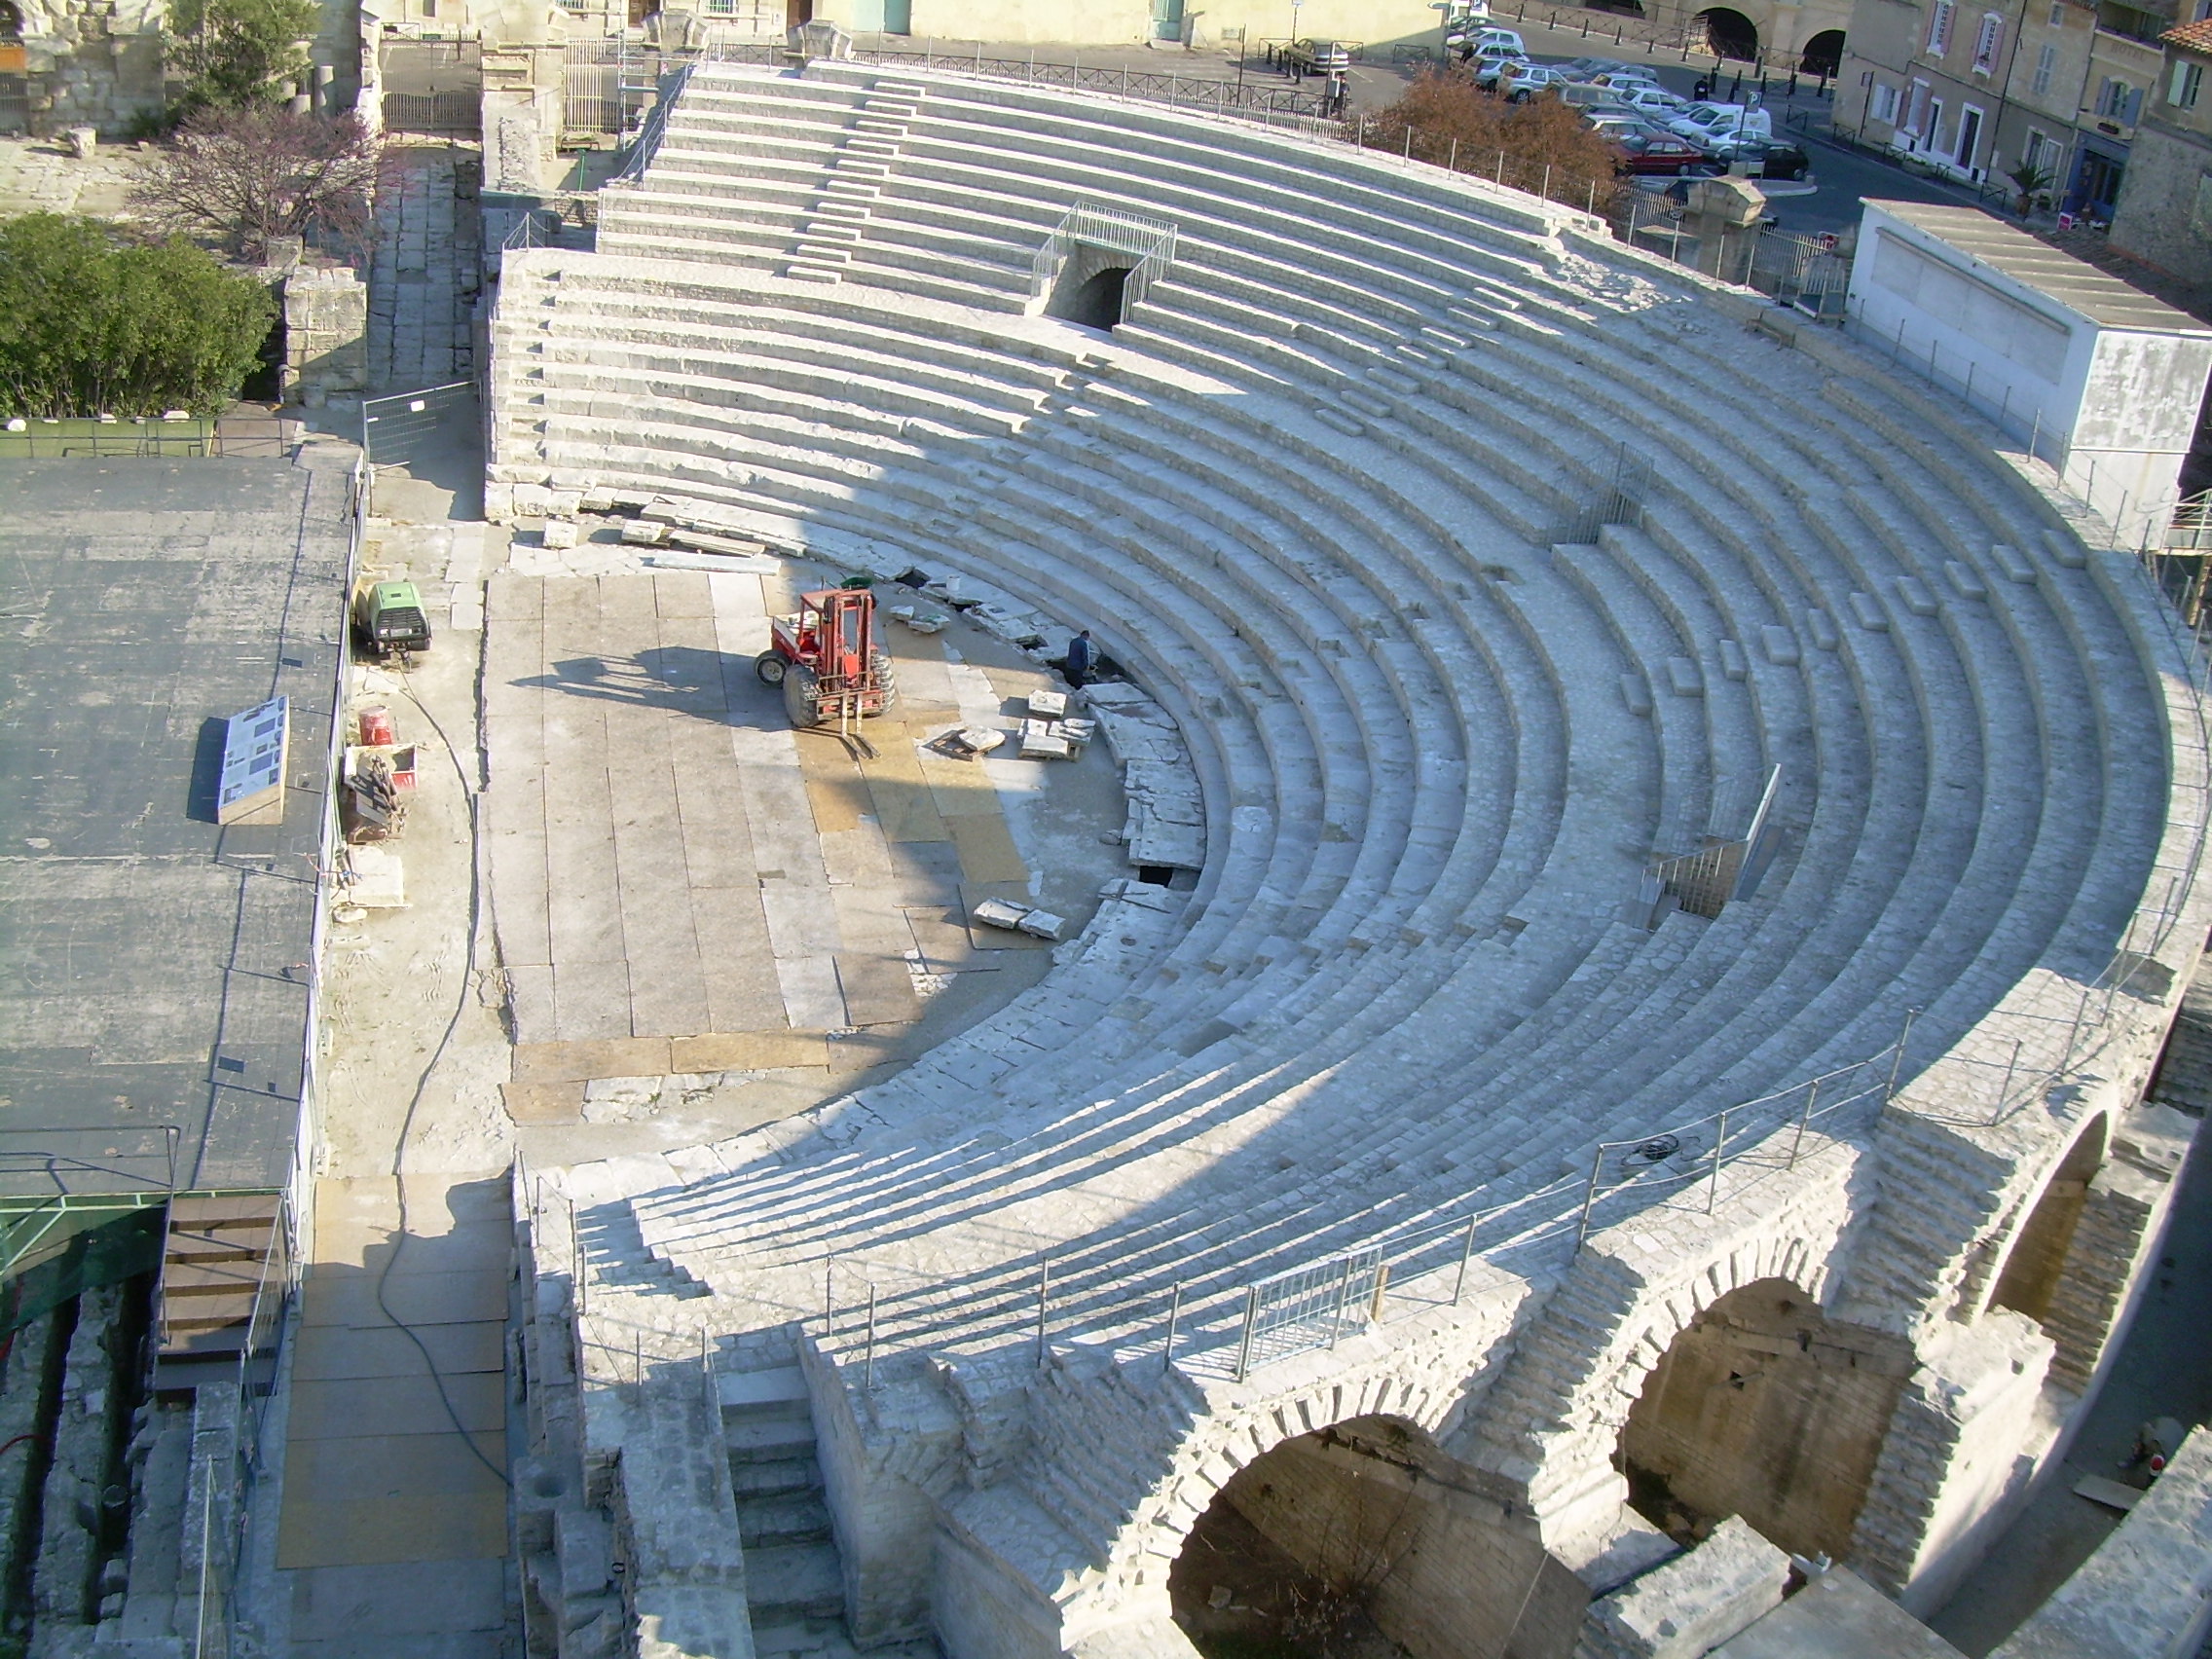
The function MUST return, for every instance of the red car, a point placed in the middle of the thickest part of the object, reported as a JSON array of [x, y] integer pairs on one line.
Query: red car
[[1661, 153]]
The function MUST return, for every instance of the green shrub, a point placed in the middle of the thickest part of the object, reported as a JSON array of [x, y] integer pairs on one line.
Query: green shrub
[[92, 325], [234, 53]]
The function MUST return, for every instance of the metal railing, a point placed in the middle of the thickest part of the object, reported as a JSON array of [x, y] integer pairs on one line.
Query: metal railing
[[223, 1539], [1728, 867], [45, 439], [1149, 241], [1312, 1307], [1226, 1325], [653, 127]]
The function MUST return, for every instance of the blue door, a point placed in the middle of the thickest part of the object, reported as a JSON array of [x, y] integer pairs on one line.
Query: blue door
[[1167, 19]]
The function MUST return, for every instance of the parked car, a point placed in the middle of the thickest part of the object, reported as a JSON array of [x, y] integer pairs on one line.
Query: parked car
[[1659, 152], [1617, 124], [1470, 42], [1650, 99], [1498, 72], [1620, 81], [1766, 159], [1530, 79], [1584, 68], [1712, 123], [1317, 57]]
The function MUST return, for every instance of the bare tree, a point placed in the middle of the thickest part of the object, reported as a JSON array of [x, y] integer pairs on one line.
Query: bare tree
[[244, 176]]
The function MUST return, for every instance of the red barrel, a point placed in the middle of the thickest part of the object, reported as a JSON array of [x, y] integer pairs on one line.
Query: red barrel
[[377, 727]]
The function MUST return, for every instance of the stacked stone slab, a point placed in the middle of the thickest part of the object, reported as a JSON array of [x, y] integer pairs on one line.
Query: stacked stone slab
[[1336, 495]]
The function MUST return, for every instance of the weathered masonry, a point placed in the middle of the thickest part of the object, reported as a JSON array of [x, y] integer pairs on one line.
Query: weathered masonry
[[1425, 1186]]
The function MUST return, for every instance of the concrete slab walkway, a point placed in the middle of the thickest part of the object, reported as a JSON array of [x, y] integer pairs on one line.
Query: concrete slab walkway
[[685, 887], [394, 1532]]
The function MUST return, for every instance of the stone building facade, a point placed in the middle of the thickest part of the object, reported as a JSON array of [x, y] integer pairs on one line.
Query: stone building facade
[[1976, 91], [2164, 213]]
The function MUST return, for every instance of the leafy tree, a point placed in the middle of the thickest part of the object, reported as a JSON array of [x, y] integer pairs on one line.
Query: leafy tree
[[245, 176], [236, 53], [1538, 146], [92, 325]]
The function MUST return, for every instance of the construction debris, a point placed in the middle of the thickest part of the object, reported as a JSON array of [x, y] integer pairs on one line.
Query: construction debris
[[967, 743], [369, 804], [1055, 740], [921, 621], [1018, 918], [372, 879]]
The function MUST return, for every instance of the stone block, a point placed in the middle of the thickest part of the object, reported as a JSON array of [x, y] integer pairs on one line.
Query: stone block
[[1963, 578], [559, 533], [1691, 1603]]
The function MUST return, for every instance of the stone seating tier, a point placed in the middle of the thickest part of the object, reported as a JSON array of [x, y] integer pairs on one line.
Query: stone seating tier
[[1350, 446]]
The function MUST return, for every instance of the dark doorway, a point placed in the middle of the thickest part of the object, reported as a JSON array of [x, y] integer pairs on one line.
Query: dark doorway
[[1822, 55], [798, 11], [1729, 33], [1092, 286], [1095, 303], [2097, 187]]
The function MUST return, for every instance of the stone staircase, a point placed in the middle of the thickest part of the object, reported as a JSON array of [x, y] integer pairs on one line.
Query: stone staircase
[[792, 1574]]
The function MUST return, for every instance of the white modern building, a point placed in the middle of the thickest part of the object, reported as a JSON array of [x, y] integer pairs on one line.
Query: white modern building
[[2105, 382]]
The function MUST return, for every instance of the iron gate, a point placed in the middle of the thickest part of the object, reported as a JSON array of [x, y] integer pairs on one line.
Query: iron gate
[[1811, 272]]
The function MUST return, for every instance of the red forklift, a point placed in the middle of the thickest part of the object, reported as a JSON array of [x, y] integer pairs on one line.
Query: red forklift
[[828, 661]]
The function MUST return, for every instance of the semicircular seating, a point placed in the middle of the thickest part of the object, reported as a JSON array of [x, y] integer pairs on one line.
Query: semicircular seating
[[1336, 494]]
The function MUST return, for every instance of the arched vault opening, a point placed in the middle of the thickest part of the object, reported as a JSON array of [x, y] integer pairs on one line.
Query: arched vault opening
[[1362, 1537], [2037, 1260], [1763, 1408], [1729, 33], [1822, 54]]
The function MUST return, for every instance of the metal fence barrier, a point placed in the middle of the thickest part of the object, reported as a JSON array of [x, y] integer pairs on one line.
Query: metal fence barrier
[[1149, 241], [1310, 1306], [409, 425]]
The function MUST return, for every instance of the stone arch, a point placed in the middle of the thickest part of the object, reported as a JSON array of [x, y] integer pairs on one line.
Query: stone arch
[[10, 21], [1729, 33], [2026, 1277], [1368, 1527], [1822, 55], [1763, 1407]]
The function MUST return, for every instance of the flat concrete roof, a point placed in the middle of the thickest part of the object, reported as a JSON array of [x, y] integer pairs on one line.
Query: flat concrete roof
[[152, 979], [2074, 283]]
